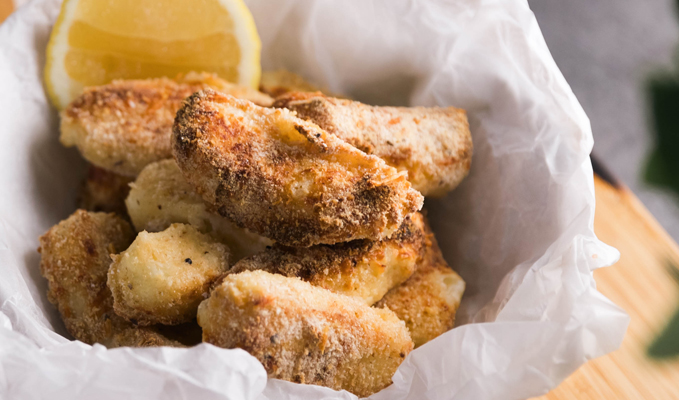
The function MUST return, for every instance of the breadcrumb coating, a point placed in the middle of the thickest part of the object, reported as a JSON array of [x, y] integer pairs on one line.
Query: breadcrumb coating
[[104, 191], [285, 178], [161, 196], [162, 277], [428, 301], [432, 144], [362, 269], [305, 334], [133, 336], [125, 125], [75, 261]]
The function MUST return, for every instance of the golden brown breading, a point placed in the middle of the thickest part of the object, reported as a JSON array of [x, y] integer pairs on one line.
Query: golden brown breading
[[428, 301], [215, 82], [75, 260], [161, 196], [133, 336], [125, 125], [285, 178], [104, 191], [276, 83], [162, 277], [305, 334], [433, 144], [362, 269]]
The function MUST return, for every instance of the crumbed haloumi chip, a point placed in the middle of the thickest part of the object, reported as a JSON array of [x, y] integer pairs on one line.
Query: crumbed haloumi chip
[[127, 124], [428, 301], [361, 269], [432, 143], [75, 261], [162, 277], [305, 334], [104, 191], [161, 196], [285, 178]]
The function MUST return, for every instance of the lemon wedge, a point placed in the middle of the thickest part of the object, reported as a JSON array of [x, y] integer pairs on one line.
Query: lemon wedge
[[96, 41]]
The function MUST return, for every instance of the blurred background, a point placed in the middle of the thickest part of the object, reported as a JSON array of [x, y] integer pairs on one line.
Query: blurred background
[[610, 51], [621, 58]]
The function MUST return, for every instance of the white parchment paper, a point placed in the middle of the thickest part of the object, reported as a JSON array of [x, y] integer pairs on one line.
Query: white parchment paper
[[519, 229]]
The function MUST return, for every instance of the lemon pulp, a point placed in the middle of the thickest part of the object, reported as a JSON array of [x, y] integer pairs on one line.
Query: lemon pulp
[[97, 41]]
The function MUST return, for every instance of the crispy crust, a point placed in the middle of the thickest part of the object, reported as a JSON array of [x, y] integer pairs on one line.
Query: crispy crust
[[305, 334], [75, 261], [125, 125], [428, 301], [214, 82], [133, 336], [362, 269], [161, 196], [285, 178], [433, 144], [104, 191]]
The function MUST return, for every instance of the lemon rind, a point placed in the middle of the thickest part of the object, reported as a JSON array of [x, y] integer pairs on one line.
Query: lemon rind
[[57, 81], [245, 29]]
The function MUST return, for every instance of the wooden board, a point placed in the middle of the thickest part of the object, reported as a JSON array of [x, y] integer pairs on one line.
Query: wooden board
[[639, 282], [6, 7]]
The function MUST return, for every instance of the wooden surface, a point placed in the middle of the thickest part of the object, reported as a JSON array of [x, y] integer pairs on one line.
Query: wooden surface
[[6, 7], [639, 283]]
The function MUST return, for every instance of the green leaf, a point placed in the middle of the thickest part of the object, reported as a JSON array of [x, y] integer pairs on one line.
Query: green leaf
[[662, 167], [667, 344]]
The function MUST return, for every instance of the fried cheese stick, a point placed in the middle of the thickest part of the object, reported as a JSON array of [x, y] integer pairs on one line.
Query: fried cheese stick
[[305, 334], [162, 277], [285, 178], [432, 143], [161, 196], [75, 261], [104, 191], [362, 269], [428, 301], [125, 125]]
